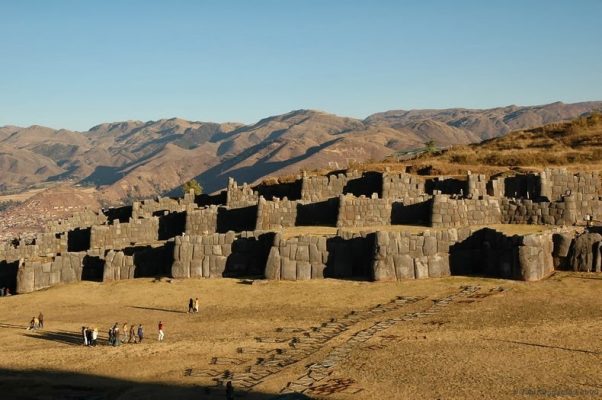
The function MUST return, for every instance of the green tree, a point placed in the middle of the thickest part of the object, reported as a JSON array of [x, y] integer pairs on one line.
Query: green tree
[[192, 184], [430, 146]]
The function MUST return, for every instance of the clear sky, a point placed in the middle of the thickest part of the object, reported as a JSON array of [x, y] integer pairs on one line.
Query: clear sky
[[74, 64]]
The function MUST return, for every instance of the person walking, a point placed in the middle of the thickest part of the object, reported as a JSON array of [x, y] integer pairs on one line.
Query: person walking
[[116, 341], [140, 333], [132, 334], [161, 334], [84, 335], [124, 333], [94, 336], [196, 305], [89, 335], [190, 305], [41, 320]]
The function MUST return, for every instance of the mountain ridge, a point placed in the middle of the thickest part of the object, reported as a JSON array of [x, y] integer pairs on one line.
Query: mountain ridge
[[132, 159]]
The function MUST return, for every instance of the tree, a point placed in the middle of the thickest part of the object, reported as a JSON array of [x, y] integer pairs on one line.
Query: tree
[[430, 146], [194, 185]]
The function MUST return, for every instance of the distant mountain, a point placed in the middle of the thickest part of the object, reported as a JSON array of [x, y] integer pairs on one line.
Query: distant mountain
[[138, 159]]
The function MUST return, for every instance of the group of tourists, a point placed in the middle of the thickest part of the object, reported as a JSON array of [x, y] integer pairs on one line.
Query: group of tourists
[[36, 322], [127, 334]]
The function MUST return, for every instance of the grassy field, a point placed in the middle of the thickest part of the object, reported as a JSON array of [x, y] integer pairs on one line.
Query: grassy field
[[529, 340]]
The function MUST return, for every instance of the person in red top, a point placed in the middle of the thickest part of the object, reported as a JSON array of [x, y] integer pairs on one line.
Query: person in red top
[[161, 334]]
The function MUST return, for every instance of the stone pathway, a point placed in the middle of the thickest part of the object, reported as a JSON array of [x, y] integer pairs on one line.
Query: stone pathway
[[319, 373]]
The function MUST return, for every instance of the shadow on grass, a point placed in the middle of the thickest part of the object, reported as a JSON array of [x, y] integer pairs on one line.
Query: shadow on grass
[[38, 384], [159, 309], [66, 337]]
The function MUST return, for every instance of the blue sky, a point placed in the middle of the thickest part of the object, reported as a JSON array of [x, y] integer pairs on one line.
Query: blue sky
[[74, 64]]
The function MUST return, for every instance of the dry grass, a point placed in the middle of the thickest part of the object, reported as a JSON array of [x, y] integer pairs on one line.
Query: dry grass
[[538, 336]]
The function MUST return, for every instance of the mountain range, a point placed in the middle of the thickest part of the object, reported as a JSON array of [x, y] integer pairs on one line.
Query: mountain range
[[134, 159]]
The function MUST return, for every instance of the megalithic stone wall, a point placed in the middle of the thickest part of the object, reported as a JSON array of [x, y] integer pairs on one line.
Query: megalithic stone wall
[[150, 207], [276, 214], [45, 245], [202, 221], [448, 212], [41, 273], [297, 258], [401, 185], [83, 219], [529, 212], [240, 196], [400, 255], [557, 181], [363, 211], [316, 188], [122, 235], [118, 266], [477, 185]]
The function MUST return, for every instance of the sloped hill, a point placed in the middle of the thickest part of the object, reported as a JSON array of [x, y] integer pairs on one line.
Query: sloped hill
[[133, 159]]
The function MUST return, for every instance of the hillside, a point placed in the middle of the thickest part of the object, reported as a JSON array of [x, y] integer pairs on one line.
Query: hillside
[[133, 159]]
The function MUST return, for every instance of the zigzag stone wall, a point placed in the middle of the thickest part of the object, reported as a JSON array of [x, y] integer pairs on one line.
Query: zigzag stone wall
[[448, 212], [363, 211], [83, 219], [122, 235]]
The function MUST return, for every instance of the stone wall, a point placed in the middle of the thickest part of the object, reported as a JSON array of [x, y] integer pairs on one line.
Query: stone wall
[[556, 182], [151, 207], [448, 212], [476, 185], [401, 255], [35, 274], [122, 235], [446, 185], [317, 188], [138, 262], [530, 212], [363, 211], [401, 185], [45, 244], [201, 221], [221, 254], [240, 196], [83, 219], [276, 214]]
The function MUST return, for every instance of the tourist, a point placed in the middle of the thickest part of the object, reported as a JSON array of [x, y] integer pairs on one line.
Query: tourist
[[140, 333], [111, 337], [94, 336], [84, 335], [196, 305], [161, 334], [7, 292], [32, 324], [36, 322], [89, 335], [2, 291], [124, 333], [229, 391], [132, 333], [41, 320], [190, 306], [116, 341]]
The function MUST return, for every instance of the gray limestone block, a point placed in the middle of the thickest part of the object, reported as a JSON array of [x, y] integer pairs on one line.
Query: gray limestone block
[[67, 275], [272, 268], [384, 269], [288, 269], [562, 244], [302, 253], [196, 268], [178, 270], [421, 268], [303, 270], [404, 266], [530, 263], [436, 268], [430, 245], [321, 243], [54, 278], [25, 279], [226, 250], [216, 250], [315, 255], [41, 278], [198, 251], [317, 270], [206, 273], [218, 267]]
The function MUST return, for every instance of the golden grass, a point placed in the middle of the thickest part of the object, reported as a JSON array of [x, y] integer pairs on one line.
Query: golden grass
[[531, 336]]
